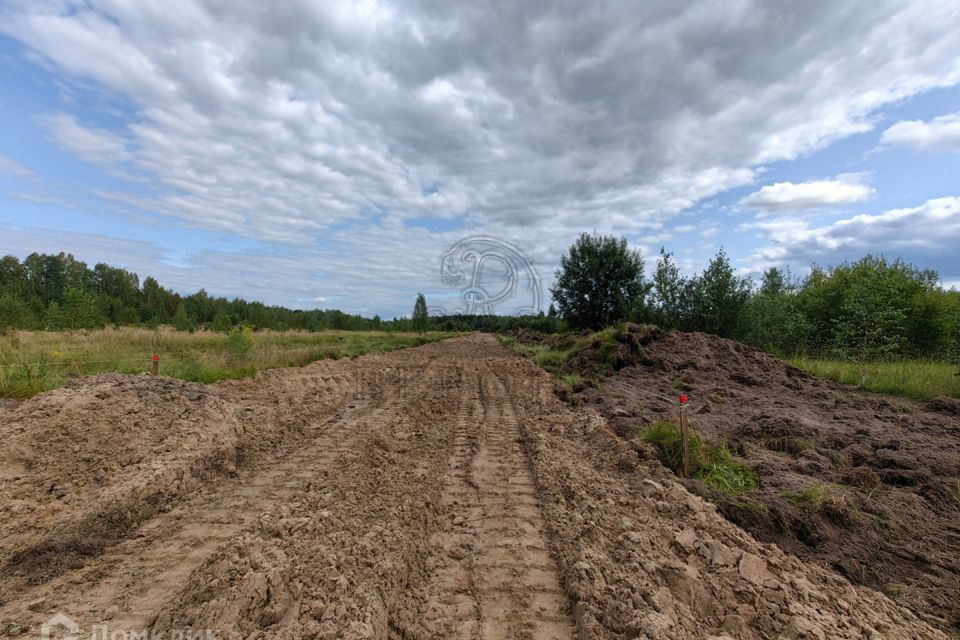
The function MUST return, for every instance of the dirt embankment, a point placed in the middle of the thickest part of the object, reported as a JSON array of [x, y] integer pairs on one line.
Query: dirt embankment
[[456, 500], [864, 484]]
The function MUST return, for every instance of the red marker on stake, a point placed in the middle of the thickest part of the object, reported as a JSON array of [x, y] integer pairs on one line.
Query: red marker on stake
[[683, 398], [156, 364]]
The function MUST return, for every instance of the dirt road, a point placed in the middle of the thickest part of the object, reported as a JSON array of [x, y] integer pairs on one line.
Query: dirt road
[[436, 492]]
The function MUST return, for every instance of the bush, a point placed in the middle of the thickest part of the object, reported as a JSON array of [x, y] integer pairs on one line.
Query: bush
[[240, 341], [874, 309]]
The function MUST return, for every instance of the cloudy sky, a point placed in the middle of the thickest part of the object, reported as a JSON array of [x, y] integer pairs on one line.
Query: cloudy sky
[[325, 154]]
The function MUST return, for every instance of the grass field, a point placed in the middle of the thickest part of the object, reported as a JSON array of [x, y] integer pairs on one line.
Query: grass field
[[36, 361], [917, 379], [547, 356]]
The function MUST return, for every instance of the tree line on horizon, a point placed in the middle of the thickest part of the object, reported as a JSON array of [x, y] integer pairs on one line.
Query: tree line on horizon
[[871, 309], [59, 292]]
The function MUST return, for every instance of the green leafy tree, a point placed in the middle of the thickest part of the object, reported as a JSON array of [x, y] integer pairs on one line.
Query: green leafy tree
[[221, 322], [717, 298], [933, 323], [90, 297], [775, 282], [15, 314], [182, 321], [80, 310], [600, 281], [420, 317], [873, 309], [669, 293], [54, 318], [771, 320]]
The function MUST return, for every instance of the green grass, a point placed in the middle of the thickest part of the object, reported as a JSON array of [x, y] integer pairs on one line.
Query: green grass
[[811, 497], [917, 379], [35, 361], [792, 445], [550, 358], [713, 464], [553, 357], [823, 498]]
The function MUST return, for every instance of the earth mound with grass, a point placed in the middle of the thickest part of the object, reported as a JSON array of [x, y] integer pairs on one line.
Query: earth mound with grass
[[610, 350], [864, 484]]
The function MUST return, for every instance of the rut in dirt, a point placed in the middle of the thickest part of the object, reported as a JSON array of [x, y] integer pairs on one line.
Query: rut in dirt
[[492, 573]]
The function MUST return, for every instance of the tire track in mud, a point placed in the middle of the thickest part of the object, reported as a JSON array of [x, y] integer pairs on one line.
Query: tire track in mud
[[131, 581], [493, 576]]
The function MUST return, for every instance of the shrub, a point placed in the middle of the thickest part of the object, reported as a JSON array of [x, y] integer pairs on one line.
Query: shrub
[[240, 341]]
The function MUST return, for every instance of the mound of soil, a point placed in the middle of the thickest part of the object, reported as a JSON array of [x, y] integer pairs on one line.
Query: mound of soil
[[85, 464], [96, 457], [864, 484]]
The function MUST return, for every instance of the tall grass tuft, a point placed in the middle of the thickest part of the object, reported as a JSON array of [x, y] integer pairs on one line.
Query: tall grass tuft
[[711, 463]]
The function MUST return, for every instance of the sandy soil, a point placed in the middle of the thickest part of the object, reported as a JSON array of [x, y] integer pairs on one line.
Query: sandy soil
[[436, 492]]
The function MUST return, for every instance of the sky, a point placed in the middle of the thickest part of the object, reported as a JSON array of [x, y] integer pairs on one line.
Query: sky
[[329, 154]]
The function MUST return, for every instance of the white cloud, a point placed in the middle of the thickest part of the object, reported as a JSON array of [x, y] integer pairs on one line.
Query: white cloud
[[326, 127], [98, 146], [406, 261], [13, 168], [790, 196], [927, 235], [941, 133], [278, 124], [45, 199]]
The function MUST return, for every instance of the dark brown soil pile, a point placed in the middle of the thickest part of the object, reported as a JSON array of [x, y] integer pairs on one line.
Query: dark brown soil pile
[[865, 484]]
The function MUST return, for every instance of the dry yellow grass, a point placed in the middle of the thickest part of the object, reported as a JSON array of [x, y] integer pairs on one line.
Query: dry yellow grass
[[36, 361]]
